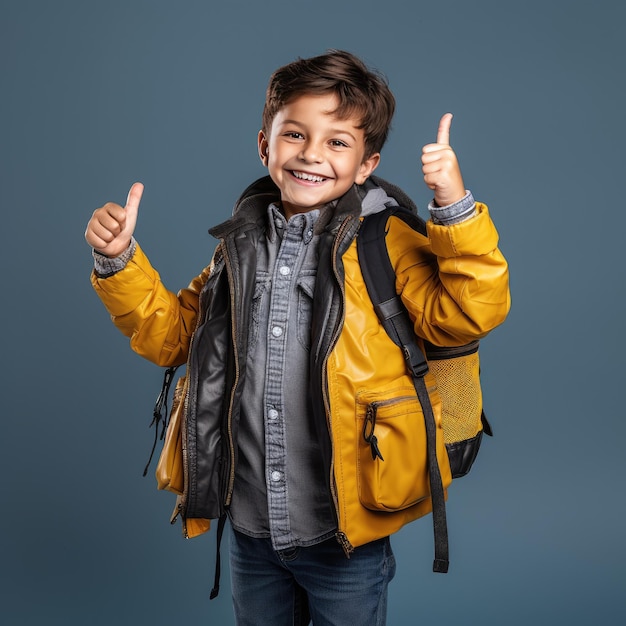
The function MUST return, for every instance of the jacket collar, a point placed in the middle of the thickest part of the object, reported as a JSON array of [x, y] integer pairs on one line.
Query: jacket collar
[[373, 196]]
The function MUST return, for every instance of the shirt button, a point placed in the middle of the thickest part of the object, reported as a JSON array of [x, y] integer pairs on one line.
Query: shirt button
[[276, 476], [272, 414], [284, 270], [277, 331]]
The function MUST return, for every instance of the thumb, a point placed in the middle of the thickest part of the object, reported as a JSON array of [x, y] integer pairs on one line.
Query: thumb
[[443, 133], [133, 200], [132, 209]]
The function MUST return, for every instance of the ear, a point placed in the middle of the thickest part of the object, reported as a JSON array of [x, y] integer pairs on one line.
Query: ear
[[263, 146], [367, 167]]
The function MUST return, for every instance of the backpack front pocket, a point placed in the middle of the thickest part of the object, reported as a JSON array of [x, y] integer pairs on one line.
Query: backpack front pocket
[[392, 468]]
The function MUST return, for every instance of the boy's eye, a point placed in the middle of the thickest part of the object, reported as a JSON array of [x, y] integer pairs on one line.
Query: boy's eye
[[292, 134], [338, 143]]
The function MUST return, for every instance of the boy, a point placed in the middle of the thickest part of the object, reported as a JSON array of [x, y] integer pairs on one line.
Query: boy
[[282, 346]]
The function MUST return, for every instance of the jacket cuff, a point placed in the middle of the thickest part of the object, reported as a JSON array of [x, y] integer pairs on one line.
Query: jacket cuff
[[453, 213], [105, 266]]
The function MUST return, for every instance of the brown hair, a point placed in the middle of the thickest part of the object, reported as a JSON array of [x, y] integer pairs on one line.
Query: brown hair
[[360, 90]]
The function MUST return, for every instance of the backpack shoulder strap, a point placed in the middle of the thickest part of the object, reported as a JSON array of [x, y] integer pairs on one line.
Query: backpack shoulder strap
[[380, 281]]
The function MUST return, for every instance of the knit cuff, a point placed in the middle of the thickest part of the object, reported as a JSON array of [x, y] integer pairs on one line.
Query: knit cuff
[[453, 213], [105, 266]]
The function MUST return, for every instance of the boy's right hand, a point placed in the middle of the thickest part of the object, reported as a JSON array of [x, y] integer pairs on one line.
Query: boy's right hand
[[111, 226]]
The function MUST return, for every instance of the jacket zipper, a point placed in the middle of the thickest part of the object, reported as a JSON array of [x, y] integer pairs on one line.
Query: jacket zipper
[[341, 537], [178, 509], [229, 420], [181, 501]]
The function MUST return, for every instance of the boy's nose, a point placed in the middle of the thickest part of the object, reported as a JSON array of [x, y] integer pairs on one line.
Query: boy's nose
[[310, 153]]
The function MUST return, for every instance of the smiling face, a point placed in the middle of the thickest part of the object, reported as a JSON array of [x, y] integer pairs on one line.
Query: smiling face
[[312, 156]]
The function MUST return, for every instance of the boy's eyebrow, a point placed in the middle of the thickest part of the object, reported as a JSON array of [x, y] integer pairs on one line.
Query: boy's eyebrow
[[341, 131]]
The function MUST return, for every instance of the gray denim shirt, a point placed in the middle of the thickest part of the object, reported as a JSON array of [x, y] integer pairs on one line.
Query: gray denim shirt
[[281, 487]]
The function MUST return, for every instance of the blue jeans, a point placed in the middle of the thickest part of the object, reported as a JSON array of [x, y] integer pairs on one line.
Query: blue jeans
[[290, 587]]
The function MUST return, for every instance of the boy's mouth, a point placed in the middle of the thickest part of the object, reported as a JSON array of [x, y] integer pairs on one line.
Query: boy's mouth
[[310, 178]]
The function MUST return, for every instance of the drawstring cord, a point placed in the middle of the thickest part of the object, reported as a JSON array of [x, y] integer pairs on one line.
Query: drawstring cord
[[218, 565], [159, 413]]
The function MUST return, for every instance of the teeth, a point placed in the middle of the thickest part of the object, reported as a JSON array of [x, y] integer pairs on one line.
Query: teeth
[[309, 177]]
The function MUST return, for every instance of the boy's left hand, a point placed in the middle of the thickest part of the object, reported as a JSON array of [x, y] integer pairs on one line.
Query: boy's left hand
[[441, 168]]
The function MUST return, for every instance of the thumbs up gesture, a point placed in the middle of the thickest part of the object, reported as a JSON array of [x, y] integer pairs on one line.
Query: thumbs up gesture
[[111, 226], [441, 168]]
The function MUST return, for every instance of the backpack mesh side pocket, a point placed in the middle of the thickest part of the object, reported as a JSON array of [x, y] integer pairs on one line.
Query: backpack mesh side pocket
[[457, 371]]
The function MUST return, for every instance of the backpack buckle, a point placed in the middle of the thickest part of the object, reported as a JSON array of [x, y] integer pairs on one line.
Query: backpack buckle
[[415, 360]]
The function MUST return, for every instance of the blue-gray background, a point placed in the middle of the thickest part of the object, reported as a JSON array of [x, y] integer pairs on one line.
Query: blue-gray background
[[96, 95]]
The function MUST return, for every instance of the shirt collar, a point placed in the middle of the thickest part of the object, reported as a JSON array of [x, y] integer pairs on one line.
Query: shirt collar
[[301, 222]]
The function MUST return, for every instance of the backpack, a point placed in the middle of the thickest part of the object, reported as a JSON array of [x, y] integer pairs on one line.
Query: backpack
[[456, 370]]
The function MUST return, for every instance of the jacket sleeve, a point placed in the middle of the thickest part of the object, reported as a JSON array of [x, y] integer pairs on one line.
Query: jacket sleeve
[[158, 322], [454, 282]]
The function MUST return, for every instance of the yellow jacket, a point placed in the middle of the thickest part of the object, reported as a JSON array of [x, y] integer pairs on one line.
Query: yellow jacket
[[454, 283]]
